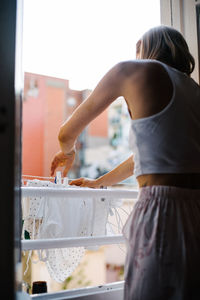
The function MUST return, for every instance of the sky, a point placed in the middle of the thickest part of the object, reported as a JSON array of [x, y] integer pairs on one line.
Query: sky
[[80, 40]]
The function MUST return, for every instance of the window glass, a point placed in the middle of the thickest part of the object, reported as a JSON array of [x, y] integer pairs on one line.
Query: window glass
[[68, 46]]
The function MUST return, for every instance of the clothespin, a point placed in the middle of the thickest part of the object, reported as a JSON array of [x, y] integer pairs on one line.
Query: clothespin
[[65, 181], [58, 177]]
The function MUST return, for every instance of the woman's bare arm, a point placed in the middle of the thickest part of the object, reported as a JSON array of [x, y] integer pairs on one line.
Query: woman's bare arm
[[119, 173], [108, 89], [113, 85]]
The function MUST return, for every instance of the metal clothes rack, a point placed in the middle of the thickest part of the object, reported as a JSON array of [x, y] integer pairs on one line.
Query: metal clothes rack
[[82, 193], [108, 291]]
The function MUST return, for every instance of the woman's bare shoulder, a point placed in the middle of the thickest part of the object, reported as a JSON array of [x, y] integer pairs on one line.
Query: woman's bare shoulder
[[145, 66], [148, 88]]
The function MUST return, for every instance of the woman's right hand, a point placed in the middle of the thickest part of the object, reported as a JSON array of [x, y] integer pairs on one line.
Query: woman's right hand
[[62, 160], [86, 182]]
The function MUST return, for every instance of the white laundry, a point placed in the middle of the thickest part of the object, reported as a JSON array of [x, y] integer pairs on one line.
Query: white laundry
[[51, 217]]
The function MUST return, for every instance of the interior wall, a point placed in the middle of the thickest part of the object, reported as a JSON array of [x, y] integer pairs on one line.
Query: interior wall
[[10, 130], [17, 106]]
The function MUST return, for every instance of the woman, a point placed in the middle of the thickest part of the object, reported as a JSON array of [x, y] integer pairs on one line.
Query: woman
[[163, 230]]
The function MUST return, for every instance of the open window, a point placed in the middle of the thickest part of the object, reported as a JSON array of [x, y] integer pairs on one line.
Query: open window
[[64, 59], [173, 13]]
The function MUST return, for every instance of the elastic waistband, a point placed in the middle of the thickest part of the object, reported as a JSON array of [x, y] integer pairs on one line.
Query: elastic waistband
[[168, 191]]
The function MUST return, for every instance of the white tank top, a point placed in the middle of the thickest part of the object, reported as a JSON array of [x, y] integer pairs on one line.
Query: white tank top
[[169, 141]]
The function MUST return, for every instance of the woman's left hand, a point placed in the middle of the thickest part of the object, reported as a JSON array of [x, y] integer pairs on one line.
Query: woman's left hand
[[63, 160], [86, 182]]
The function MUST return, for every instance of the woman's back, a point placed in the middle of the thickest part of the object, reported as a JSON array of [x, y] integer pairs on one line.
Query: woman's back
[[165, 126]]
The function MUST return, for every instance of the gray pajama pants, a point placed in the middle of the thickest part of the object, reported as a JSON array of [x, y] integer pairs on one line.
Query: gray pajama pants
[[163, 245]]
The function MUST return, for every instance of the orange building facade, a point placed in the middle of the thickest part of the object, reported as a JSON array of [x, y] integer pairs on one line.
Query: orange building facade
[[48, 102]]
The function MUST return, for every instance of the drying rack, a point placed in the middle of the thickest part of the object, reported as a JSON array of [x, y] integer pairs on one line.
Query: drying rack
[[107, 291]]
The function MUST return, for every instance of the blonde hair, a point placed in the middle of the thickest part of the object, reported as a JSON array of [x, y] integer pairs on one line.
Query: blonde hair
[[167, 45]]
